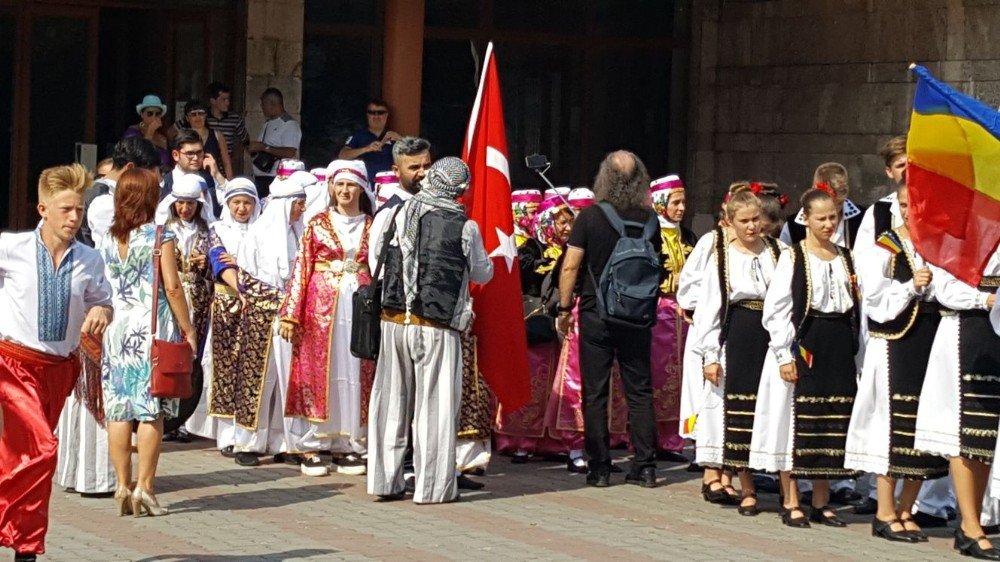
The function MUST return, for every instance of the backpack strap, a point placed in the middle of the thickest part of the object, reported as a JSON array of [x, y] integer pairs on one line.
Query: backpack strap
[[612, 215]]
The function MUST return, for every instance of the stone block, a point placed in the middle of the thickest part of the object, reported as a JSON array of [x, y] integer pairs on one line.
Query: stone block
[[982, 23], [261, 56], [285, 20], [256, 19], [289, 58]]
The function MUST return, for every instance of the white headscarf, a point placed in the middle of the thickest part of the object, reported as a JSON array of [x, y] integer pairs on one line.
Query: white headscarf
[[353, 171], [270, 252], [189, 187], [229, 230]]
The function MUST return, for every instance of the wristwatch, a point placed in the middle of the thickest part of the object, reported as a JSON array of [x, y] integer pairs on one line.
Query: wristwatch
[[562, 308]]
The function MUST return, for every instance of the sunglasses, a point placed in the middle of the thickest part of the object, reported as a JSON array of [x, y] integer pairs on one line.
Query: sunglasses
[[378, 112], [193, 154], [197, 113], [152, 113]]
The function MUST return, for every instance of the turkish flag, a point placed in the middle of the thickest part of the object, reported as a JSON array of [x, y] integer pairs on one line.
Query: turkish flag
[[499, 324]]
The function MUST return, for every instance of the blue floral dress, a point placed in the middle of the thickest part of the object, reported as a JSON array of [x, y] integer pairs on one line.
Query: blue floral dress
[[125, 365]]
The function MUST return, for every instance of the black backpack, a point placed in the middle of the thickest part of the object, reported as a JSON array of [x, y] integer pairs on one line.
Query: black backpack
[[629, 287]]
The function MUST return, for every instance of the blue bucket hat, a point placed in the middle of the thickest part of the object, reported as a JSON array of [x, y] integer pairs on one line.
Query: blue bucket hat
[[150, 101]]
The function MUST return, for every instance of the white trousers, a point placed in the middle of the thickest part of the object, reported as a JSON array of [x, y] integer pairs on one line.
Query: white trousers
[[418, 382]]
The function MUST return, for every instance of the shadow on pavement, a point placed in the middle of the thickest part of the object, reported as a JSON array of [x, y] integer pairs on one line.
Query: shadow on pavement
[[300, 554], [237, 475], [258, 499]]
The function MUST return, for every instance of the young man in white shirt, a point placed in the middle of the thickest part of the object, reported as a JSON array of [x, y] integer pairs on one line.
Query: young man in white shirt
[[52, 288]]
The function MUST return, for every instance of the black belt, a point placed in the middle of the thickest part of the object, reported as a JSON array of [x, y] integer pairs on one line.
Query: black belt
[[818, 314], [750, 304], [989, 284], [930, 307]]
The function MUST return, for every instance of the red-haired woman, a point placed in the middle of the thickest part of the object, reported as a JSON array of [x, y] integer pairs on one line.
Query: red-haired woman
[[125, 366]]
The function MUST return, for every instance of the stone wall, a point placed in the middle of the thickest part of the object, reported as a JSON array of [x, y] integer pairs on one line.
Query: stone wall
[[780, 86], [274, 56]]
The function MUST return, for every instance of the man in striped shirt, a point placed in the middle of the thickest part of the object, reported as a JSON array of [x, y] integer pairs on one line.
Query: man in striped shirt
[[231, 125]]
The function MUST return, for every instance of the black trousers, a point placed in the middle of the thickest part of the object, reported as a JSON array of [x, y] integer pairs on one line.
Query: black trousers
[[263, 185], [600, 345]]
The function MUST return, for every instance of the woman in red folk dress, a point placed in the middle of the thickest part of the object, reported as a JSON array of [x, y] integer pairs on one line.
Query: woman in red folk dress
[[328, 388]]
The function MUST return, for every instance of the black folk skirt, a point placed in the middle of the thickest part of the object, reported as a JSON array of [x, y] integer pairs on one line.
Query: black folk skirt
[[979, 362], [908, 357], [746, 349], [824, 397]]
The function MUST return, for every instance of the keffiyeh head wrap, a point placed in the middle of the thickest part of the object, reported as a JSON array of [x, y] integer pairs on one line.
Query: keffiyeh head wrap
[[660, 191], [446, 180]]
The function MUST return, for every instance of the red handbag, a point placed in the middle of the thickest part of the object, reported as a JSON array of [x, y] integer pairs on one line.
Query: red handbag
[[172, 362]]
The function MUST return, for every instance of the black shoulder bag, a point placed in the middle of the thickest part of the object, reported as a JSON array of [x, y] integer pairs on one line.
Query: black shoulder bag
[[366, 324]]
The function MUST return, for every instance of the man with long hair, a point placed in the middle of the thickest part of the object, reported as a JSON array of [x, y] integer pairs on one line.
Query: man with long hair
[[622, 181], [53, 289]]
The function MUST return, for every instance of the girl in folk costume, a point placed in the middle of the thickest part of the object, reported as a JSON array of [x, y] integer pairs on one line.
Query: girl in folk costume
[[667, 351], [959, 404], [220, 360], [328, 388], [808, 382], [264, 266], [903, 317], [732, 342], [187, 214], [524, 204], [524, 432]]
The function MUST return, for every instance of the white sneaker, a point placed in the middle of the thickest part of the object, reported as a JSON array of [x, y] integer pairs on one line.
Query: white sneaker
[[352, 465], [314, 466]]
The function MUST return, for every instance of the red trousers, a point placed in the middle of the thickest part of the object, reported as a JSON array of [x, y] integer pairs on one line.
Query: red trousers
[[33, 388]]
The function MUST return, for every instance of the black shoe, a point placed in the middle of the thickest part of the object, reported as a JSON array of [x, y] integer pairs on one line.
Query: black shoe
[[646, 477], [795, 522], [693, 467], [598, 479], [817, 516], [615, 469], [883, 530], [228, 452], [478, 471], [391, 497], [867, 507], [466, 483], [519, 458], [183, 436], [671, 456], [410, 484], [845, 496], [929, 521], [25, 557], [170, 436], [575, 468], [292, 459], [748, 510], [987, 529], [247, 459], [970, 547], [719, 497]]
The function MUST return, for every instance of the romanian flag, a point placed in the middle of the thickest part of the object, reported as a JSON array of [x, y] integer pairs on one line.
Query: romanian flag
[[953, 172], [889, 242], [806, 355]]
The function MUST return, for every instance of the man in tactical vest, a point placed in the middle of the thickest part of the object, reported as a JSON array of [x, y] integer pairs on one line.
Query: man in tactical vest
[[432, 253]]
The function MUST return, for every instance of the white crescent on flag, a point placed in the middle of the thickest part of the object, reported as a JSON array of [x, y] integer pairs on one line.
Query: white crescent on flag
[[496, 160]]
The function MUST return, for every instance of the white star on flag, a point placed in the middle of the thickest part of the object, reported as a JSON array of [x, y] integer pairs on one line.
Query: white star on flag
[[506, 249]]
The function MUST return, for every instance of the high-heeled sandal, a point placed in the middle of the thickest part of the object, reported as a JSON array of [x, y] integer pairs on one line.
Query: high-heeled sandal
[[718, 496], [918, 534], [142, 501], [970, 546], [801, 522], [123, 498], [883, 529], [819, 515], [748, 510]]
